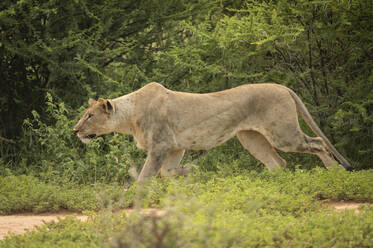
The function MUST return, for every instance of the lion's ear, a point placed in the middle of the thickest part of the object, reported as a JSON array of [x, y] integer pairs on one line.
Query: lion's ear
[[91, 102], [109, 105], [106, 105]]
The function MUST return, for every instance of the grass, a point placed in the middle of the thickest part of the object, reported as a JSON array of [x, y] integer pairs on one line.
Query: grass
[[231, 208], [29, 194]]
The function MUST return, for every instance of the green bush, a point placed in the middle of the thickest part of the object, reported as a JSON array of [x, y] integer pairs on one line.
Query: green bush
[[252, 209], [336, 184], [320, 50], [29, 194], [54, 153], [284, 192]]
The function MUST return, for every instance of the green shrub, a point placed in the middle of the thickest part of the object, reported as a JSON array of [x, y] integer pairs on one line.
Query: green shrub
[[68, 232], [29, 194], [283, 191], [230, 208], [207, 222], [336, 184], [54, 153], [24, 193]]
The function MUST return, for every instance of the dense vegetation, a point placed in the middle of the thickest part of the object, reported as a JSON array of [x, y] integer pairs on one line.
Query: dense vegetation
[[74, 50], [231, 208], [296, 189], [54, 55]]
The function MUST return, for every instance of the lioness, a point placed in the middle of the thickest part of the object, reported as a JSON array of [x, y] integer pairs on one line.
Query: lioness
[[165, 123]]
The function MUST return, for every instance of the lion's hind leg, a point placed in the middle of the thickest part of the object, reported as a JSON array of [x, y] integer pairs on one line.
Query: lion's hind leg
[[171, 164], [316, 145], [302, 143], [261, 149]]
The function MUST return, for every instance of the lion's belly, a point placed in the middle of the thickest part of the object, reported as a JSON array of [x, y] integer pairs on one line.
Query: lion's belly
[[207, 129], [202, 139], [208, 120]]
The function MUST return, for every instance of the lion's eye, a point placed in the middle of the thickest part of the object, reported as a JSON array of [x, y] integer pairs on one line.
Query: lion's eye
[[89, 116]]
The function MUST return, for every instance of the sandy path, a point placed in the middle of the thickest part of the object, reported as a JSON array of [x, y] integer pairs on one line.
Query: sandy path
[[20, 223], [340, 206]]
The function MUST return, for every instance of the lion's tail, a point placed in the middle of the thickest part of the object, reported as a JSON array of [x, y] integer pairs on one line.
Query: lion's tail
[[312, 124]]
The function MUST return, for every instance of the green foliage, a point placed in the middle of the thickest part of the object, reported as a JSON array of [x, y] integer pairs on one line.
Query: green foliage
[[68, 232], [322, 50], [29, 194], [85, 48], [179, 230], [69, 52], [283, 192], [251, 209], [324, 184], [54, 153], [183, 230], [77, 49]]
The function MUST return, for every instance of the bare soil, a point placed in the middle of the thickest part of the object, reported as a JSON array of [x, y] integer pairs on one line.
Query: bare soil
[[20, 223], [341, 206]]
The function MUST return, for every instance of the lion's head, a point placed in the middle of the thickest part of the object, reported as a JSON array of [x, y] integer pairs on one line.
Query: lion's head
[[96, 120]]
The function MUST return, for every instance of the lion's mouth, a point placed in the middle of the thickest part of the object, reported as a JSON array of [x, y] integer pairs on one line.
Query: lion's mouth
[[91, 136]]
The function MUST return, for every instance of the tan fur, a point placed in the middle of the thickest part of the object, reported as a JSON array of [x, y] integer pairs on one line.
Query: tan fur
[[166, 123]]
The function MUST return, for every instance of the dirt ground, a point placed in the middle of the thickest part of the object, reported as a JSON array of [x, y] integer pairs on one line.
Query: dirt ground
[[20, 223], [340, 206]]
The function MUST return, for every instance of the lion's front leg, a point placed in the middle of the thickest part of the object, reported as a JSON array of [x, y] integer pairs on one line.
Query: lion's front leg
[[152, 164], [160, 146]]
